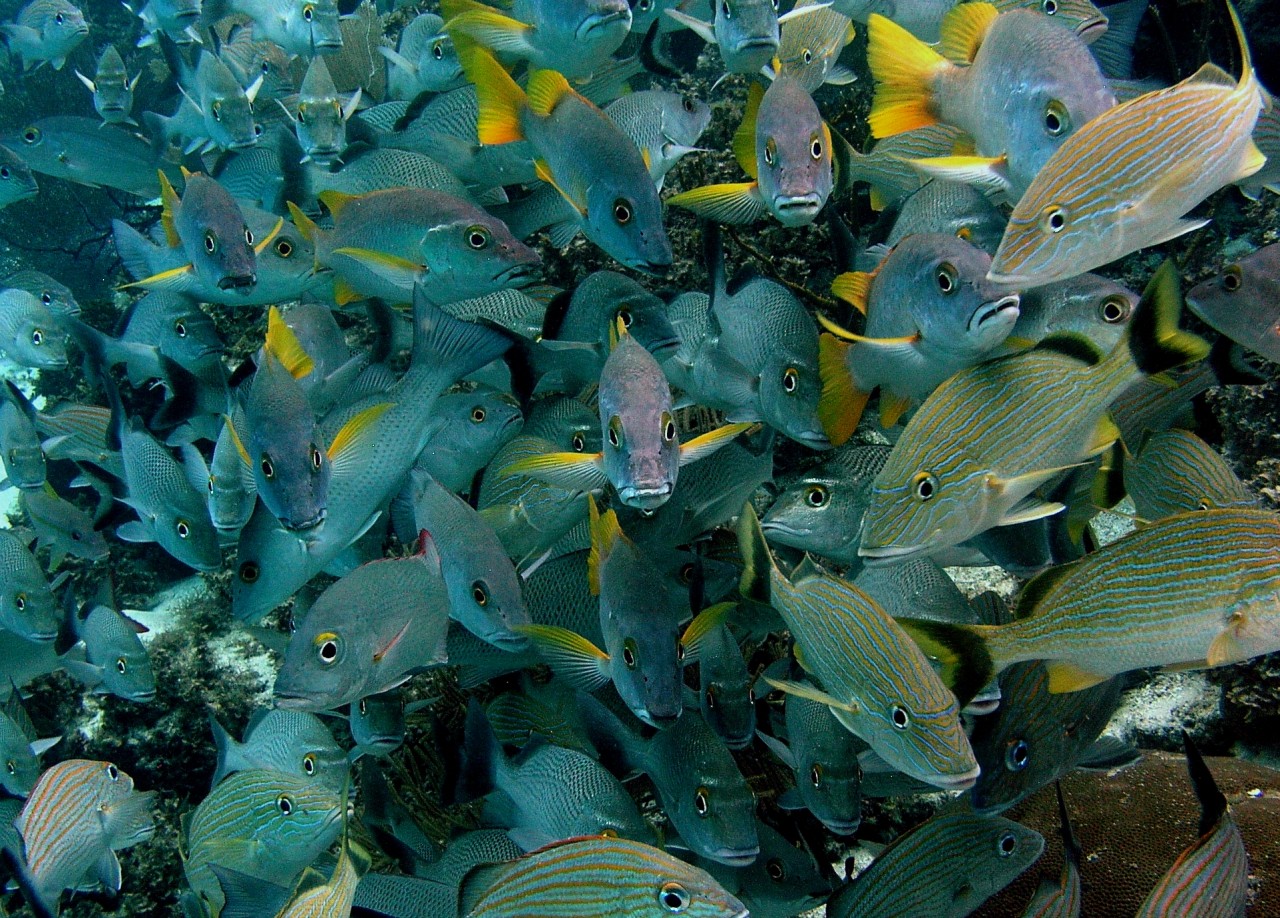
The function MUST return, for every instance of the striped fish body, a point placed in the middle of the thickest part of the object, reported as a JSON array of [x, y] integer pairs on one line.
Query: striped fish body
[[1080, 16], [1125, 180], [589, 877], [1177, 472], [331, 898], [74, 431], [1198, 588], [947, 866], [79, 814], [1208, 880], [887, 167], [1057, 900]]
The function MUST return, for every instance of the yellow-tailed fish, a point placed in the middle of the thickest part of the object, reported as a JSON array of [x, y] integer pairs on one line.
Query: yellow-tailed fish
[[872, 675], [887, 166], [1175, 471], [1125, 180], [972, 456]]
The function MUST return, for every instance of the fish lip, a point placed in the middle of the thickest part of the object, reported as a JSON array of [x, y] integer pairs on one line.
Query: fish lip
[[1093, 28], [982, 708], [735, 857], [143, 696], [751, 44], [645, 498], [42, 637], [307, 524], [843, 826], [890, 553], [767, 525], [807, 204], [237, 282], [815, 439], [520, 275], [992, 309], [328, 44], [600, 21], [958, 782], [292, 700]]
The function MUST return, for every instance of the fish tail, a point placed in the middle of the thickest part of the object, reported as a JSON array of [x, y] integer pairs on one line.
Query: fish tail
[[962, 650], [841, 403], [757, 562], [31, 892], [500, 98], [1156, 343], [449, 346], [903, 67]]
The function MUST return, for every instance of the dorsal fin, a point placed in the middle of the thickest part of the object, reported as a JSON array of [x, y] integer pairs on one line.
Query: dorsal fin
[[1036, 588], [744, 138], [283, 345], [1072, 344], [336, 201], [963, 30]]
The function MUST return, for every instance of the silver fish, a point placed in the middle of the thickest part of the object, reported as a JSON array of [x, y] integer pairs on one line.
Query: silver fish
[[85, 150], [664, 125], [115, 660], [320, 115], [63, 528], [424, 61], [16, 181], [575, 37], [19, 748], [111, 87], [30, 334], [27, 605], [294, 743], [45, 30], [20, 448]]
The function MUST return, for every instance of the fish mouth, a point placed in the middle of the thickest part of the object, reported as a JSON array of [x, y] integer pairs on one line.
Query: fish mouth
[[294, 701], [602, 21], [979, 707], [959, 782], [757, 43], [735, 857], [814, 439], [242, 282], [521, 275], [767, 525], [307, 524], [993, 310], [843, 826], [42, 637], [327, 45], [508, 641], [652, 268], [645, 498], [797, 206], [143, 696], [1090, 31]]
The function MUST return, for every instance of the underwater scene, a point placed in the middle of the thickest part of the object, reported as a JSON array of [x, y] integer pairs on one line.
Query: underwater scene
[[639, 458]]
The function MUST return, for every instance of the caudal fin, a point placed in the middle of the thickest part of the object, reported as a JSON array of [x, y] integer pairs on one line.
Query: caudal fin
[[1156, 343], [1212, 803], [903, 67], [452, 347], [961, 650]]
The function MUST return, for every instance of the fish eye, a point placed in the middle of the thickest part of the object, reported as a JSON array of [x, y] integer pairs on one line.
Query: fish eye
[[925, 486], [478, 414], [725, 9], [4, 172], [702, 801], [11, 766], [1017, 756], [668, 427], [13, 456], [815, 148], [285, 804], [478, 237], [248, 235], [122, 666], [808, 56], [711, 696], [815, 775], [364, 707], [266, 66], [947, 278], [317, 459], [46, 297], [180, 328], [1232, 279], [644, 5], [308, 11], [1057, 121], [816, 496], [680, 652], [1114, 309], [1202, 505], [112, 772], [686, 573], [629, 653], [58, 18], [624, 314], [777, 872], [901, 719], [1050, 7], [688, 104], [437, 51], [673, 897], [216, 108], [37, 337], [249, 572], [622, 211], [268, 468], [327, 647], [257, 128], [1053, 219], [210, 242], [302, 113], [183, 529], [615, 432], [480, 593], [31, 135], [751, 695], [210, 484], [790, 379], [309, 763], [1007, 844], [20, 601], [770, 152], [579, 442], [284, 248]]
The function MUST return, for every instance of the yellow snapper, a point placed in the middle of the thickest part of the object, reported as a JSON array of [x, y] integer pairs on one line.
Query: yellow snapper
[[1125, 180]]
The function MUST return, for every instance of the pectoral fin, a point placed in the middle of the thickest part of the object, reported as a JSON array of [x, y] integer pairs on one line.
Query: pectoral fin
[[812, 693], [1068, 677], [704, 445], [731, 203], [396, 270], [571, 656], [579, 471]]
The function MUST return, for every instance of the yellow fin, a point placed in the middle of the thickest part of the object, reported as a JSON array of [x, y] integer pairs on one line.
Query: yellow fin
[[705, 444], [703, 623], [355, 431], [169, 201], [265, 241], [738, 202], [892, 408], [903, 67], [963, 28], [336, 201], [1104, 434], [853, 287], [159, 280], [491, 29], [1068, 677], [499, 98], [393, 268], [546, 89], [879, 198], [571, 656], [306, 226], [989, 174], [344, 293], [1226, 647], [578, 471], [841, 404], [543, 171], [1253, 160], [283, 345], [236, 441], [744, 138], [605, 533]]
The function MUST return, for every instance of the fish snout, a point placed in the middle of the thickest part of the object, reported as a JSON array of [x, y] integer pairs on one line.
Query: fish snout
[[797, 209], [1004, 309], [645, 497], [241, 282]]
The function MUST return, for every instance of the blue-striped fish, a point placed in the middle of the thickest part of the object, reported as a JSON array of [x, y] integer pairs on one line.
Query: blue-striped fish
[[27, 605], [1175, 472], [78, 816], [809, 47], [872, 676], [313, 896], [1060, 898], [947, 866], [45, 30], [1211, 877], [1241, 301], [1125, 180], [972, 457], [293, 742]]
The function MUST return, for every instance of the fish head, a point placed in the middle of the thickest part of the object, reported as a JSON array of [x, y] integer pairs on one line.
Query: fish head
[[187, 533], [215, 235], [644, 316], [113, 645], [1040, 122], [35, 337], [17, 183], [747, 33], [290, 467], [645, 12], [920, 733], [1044, 241], [438, 66], [175, 15], [641, 446], [684, 119], [62, 25], [793, 154], [269, 562], [566, 422], [378, 720], [1080, 16], [822, 511], [54, 296], [187, 335], [917, 510], [599, 22], [624, 217], [1089, 305], [303, 816], [228, 121], [20, 767], [485, 597], [831, 788], [325, 665], [287, 262], [476, 254], [726, 695], [791, 882], [311, 27], [644, 647], [706, 798], [789, 391], [27, 606], [20, 448], [321, 129]]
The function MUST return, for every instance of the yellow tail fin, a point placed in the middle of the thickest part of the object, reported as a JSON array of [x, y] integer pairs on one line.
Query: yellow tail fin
[[903, 67], [501, 100]]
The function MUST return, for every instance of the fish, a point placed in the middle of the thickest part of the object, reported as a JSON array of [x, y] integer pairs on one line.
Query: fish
[[894, 700], [53, 294], [1060, 898], [385, 242], [308, 28], [28, 608], [30, 334], [989, 480], [232, 490], [786, 148], [249, 57], [643, 457], [294, 743], [887, 168], [174, 19], [20, 749], [791, 881], [445, 886], [115, 660], [569, 881], [1195, 138], [1080, 16], [79, 815], [16, 181], [725, 694], [462, 448], [1238, 302], [111, 87], [86, 151], [545, 793], [320, 116], [576, 37], [75, 431], [335, 658], [312, 894], [261, 823], [27, 660], [1176, 472], [701, 789], [1266, 137], [746, 32], [215, 112], [597, 170], [664, 125], [1089, 305], [377, 724], [930, 312], [810, 47], [375, 169], [424, 61], [758, 357], [949, 864], [20, 447], [45, 31], [1212, 875], [954, 208]]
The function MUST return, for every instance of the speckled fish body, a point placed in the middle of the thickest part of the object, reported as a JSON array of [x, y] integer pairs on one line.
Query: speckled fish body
[[30, 334], [45, 30], [111, 87], [83, 150], [115, 660], [877, 682], [27, 605], [177, 327], [293, 742], [20, 447], [1126, 180], [425, 60], [529, 515], [20, 749], [1089, 305], [664, 125], [477, 425], [575, 37], [16, 181], [306, 29], [824, 756], [953, 208], [1240, 302], [1177, 472], [745, 31], [261, 823], [232, 488], [79, 814], [947, 866], [592, 876], [810, 46], [377, 169], [50, 292]]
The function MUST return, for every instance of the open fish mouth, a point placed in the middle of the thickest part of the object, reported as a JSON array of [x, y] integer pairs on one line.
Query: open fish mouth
[[238, 282], [995, 310], [645, 498], [797, 205]]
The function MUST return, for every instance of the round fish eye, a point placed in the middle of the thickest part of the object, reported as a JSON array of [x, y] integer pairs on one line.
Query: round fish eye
[[816, 495], [629, 653], [216, 108], [284, 248], [210, 242], [668, 429], [31, 135], [1017, 756], [1232, 279], [478, 237], [673, 897], [815, 148], [1114, 310], [579, 442], [925, 486], [777, 872], [327, 651], [58, 18], [1050, 7], [180, 328], [624, 314], [725, 9], [285, 804], [248, 235], [257, 128], [622, 211], [1007, 844], [901, 719], [122, 666], [947, 278], [688, 104], [37, 337], [770, 152], [11, 766], [808, 56], [268, 468], [644, 5], [1057, 120], [317, 459], [4, 172], [308, 12], [20, 601], [249, 572], [437, 51], [608, 832], [615, 432], [815, 775], [46, 297], [112, 772], [1202, 505], [790, 379], [183, 529], [480, 593], [1053, 219], [478, 414], [702, 801], [309, 763]]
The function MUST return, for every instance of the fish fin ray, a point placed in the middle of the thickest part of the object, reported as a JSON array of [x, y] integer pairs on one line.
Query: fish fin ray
[[359, 429], [284, 345], [744, 138], [812, 693], [500, 97], [545, 91], [705, 444], [854, 287], [571, 656], [841, 403], [963, 29], [579, 471], [734, 202], [1069, 677], [892, 407], [703, 623], [903, 67]]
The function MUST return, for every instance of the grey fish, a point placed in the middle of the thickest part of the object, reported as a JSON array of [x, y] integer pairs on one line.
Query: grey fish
[[79, 432], [1176, 471], [953, 208], [232, 488], [886, 167], [111, 87], [745, 31], [784, 881], [295, 743], [54, 294], [176, 19], [63, 527], [810, 46], [45, 30], [249, 56], [1089, 305], [424, 61], [443, 887], [725, 694], [16, 181], [376, 169], [84, 150], [216, 112], [306, 29], [30, 334], [1240, 302], [19, 749], [664, 125], [115, 660], [377, 723], [320, 115], [20, 448], [28, 608], [476, 425], [575, 37], [211, 229]]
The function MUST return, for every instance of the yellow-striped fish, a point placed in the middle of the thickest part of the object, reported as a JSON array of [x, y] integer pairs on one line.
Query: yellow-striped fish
[[1177, 472], [1125, 180]]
